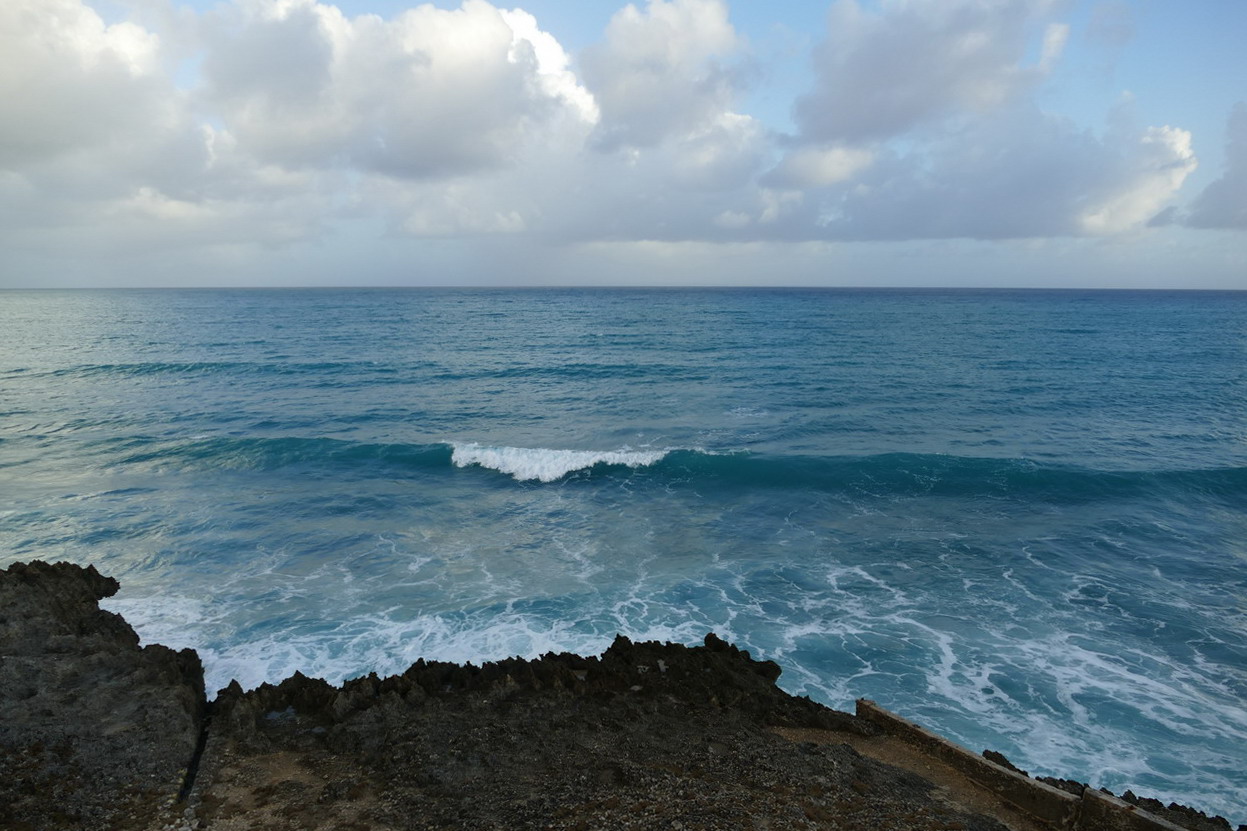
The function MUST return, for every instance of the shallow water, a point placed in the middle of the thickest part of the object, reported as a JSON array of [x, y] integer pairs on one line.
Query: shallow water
[[1016, 517]]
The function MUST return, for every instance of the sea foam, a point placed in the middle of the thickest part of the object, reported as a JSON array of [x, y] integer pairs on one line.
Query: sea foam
[[545, 465]]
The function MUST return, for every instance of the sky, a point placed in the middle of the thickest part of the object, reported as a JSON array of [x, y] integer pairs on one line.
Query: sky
[[1011, 143]]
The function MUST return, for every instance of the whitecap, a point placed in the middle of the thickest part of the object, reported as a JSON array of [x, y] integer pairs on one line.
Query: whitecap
[[546, 465]]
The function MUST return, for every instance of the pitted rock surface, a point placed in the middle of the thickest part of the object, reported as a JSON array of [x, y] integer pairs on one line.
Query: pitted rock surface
[[95, 731]]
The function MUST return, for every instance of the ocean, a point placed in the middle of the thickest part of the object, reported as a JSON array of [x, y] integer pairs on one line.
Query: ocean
[[1016, 517]]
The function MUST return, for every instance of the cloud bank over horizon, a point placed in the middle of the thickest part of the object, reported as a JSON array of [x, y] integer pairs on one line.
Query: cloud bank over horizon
[[274, 133]]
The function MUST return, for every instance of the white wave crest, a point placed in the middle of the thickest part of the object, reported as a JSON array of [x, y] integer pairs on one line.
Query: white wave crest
[[526, 463]]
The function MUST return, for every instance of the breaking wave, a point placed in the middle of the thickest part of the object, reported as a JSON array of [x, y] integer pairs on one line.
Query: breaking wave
[[546, 465]]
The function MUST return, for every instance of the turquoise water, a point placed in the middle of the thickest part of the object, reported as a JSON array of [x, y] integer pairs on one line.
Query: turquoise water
[[1019, 518]]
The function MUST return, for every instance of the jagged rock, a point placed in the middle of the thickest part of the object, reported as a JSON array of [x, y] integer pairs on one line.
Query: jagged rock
[[1067, 785], [1179, 814], [647, 735], [716, 675], [1003, 761], [95, 732]]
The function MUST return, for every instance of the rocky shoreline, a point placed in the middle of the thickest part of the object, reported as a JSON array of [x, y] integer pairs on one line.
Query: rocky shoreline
[[97, 732]]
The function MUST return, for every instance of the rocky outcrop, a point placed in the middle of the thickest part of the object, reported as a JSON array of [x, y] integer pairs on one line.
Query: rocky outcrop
[[716, 675], [648, 735], [1182, 815], [95, 731]]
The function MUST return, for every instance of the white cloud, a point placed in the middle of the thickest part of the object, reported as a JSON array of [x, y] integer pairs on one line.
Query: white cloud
[[431, 93], [1223, 203], [774, 204], [881, 73], [724, 154], [1054, 40], [732, 219], [662, 72], [920, 125], [1019, 174], [90, 121], [69, 83], [1150, 176], [298, 108], [818, 166], [553, 64], [475, 123]]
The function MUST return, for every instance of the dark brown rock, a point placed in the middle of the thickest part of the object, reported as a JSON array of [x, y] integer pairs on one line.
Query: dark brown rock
[[648, 735], [95, 732], [1068, 785], [1179, 814], [1003, 761]]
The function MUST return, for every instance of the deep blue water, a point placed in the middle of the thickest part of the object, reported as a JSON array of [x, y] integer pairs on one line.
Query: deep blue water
[[1019, 518]]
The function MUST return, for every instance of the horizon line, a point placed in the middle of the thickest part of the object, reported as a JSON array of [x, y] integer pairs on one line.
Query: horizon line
[[622, 287]]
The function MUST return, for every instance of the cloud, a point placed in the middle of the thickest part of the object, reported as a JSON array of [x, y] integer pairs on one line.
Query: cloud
[[1020, 173], [68, 82], [881, 73], [921, 124], [1145, 178], [1112, 24], [1056, 35], [282, 125], [104, 156], [554, 74], [297, 109], [72, 87], [431, 93], [1223, 203], [662, 72], [89, 121], [817, 166]]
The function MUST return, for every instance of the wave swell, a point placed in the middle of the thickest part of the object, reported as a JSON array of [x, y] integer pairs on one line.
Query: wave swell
[[887, 475]]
